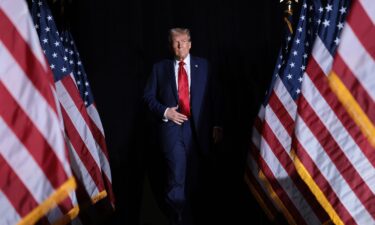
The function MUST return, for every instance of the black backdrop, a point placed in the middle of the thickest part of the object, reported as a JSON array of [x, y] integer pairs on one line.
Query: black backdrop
[[120, 40]]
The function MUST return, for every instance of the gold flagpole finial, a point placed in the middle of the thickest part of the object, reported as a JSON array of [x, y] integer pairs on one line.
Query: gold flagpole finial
[[288, 4], [288, 12]]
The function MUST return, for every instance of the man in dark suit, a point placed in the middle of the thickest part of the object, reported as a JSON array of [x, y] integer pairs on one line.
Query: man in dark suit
[[180, 94]]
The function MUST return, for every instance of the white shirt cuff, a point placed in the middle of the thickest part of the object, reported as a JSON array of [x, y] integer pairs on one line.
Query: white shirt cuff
[[165, 116]]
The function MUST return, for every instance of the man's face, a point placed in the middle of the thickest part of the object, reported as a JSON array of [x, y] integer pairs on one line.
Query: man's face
[[181, 45]]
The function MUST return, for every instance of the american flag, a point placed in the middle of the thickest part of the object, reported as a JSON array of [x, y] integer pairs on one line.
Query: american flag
[[34, 166], [271, 173], [84, 154], [88, 98], [335, 152]]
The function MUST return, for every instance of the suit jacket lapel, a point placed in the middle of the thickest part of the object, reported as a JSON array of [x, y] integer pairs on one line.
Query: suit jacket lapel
[[193, 85], [172, 76]]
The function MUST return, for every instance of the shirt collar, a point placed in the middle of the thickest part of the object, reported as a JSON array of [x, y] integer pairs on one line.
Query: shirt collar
[[186, 60]]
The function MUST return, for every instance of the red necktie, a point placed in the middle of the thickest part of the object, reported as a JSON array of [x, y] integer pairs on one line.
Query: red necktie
[[183, 90]]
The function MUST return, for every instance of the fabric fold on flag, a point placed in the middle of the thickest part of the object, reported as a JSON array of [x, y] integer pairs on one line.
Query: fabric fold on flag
[[352, 75], [332, 154], [82, 145], [270, 158], [94, 121], [33, 154]]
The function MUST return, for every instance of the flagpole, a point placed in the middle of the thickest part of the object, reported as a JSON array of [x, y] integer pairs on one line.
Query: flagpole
[[288, 12]]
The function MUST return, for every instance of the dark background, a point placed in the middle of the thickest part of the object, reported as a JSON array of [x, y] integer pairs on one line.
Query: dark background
[[120, 40]]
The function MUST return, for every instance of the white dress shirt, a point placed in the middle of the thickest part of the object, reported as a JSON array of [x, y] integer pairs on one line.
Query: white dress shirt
[[187, 69]]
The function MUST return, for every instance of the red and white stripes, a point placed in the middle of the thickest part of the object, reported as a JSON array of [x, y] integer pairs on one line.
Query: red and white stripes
[[272, 138], [84, 153], [35, 169], [335, 157]]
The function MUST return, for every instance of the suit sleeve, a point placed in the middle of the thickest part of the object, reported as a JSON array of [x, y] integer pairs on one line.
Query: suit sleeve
[[150, 95]]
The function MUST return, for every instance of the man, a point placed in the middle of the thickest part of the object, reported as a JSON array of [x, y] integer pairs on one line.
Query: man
[[180, 94]]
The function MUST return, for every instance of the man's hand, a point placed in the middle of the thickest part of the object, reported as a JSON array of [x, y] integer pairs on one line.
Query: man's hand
[[175, 116], [217, 135]]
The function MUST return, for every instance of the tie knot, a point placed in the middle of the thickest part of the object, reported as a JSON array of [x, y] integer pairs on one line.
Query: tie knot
[[181, 63]]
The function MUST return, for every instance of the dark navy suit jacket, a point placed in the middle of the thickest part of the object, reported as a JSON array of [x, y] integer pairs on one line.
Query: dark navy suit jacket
[[161, 92]]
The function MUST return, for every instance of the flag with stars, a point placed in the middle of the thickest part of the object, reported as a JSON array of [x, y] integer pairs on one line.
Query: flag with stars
[[270, 164], [84, 154], [36, 181], [88, 98], [334, 144]]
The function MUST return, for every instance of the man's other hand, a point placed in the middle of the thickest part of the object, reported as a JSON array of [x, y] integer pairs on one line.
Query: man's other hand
[[217, 135]]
